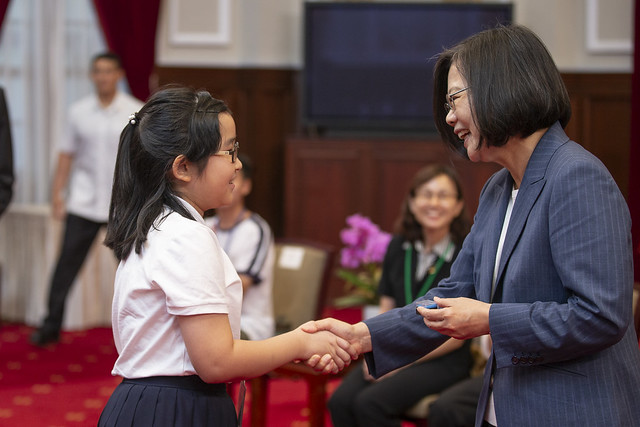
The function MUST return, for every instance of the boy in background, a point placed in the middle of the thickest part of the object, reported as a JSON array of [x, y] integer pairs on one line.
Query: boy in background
[[248, 241]]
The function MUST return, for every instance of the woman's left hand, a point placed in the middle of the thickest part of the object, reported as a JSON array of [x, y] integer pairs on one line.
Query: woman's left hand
[[460, 318]]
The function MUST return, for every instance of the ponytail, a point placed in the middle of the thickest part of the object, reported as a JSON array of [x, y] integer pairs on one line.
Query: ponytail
[[165, 128]]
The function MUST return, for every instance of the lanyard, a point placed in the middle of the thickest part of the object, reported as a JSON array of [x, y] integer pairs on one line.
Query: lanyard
[[408, 275]]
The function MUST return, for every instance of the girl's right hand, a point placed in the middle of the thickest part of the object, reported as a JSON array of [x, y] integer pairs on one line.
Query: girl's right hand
[[335, 353]]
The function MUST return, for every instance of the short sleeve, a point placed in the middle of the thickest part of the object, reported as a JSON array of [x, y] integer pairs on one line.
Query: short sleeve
[[190, 268]]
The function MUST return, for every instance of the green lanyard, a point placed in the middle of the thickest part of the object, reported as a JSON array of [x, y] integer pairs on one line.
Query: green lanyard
[[408, 276]]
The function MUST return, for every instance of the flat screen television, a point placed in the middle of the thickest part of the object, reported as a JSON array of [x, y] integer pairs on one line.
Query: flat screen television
[[368, 66]]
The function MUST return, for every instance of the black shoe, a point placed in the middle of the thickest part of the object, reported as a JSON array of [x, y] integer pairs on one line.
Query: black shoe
[[42, 337]]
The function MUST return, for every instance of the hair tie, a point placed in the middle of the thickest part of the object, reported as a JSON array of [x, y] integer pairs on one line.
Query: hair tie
[[134, 119]]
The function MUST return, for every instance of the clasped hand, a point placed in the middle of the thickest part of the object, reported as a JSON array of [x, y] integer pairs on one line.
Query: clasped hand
[[328, 352], [460, 318], [356, 337]]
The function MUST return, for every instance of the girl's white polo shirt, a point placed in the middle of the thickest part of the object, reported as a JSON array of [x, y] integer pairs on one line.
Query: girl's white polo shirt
[[181, 270]]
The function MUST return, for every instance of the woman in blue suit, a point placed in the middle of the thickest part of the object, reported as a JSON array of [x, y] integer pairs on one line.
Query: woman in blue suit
[[547, 267]]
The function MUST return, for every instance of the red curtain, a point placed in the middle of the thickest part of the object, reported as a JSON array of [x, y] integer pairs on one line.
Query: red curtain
[[634, 154], [130, 31], [3, 10]]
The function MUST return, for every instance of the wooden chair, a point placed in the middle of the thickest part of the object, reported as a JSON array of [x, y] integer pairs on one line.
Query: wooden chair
[[301, 275]]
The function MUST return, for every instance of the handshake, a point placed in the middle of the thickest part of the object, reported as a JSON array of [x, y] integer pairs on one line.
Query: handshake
[[330, 345]]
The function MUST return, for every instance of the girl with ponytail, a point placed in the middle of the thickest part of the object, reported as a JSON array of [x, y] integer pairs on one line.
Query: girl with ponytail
[[177, 297]]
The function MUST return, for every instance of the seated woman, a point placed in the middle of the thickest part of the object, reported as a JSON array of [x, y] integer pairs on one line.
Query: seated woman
[[429, 234]]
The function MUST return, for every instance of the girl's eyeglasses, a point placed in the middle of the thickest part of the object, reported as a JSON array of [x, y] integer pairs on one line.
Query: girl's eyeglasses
[[233, 153]]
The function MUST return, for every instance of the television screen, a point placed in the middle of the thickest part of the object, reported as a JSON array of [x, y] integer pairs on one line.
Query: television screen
[[368, 66]]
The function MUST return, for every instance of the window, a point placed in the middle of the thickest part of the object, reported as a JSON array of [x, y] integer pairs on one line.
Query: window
[[45, 50]]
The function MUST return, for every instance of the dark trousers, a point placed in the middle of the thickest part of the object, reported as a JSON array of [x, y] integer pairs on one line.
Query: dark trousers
[[457, 405], [358, 402], [79, 234]]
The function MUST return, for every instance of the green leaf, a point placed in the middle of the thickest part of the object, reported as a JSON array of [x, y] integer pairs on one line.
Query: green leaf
[[350, 301]]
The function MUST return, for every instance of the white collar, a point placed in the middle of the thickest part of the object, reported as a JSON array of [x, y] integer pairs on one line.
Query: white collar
[[194, 213], [439, 249]]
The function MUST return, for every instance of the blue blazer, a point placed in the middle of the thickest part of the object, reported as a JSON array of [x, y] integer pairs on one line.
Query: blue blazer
[[565, 351]]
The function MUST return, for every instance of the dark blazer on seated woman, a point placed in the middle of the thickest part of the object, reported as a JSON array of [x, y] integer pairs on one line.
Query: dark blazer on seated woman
[[394, 274], [6, 156]]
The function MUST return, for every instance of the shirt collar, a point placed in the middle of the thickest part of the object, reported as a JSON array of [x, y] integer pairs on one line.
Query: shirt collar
[[194, 213], [439, 248]]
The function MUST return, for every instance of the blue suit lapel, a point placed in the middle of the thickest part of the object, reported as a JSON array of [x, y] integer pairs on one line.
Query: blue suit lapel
[[490, 244], [532, 184]]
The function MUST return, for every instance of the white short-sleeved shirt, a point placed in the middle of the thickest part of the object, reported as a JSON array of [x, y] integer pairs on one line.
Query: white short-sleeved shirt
[[181, 271], [249, 244], [92, 136]]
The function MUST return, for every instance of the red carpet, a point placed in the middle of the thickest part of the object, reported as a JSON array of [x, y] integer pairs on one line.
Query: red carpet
[[68, 384], [62, 385]]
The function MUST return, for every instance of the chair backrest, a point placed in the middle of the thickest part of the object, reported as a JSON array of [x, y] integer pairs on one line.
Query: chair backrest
[[300, 279]]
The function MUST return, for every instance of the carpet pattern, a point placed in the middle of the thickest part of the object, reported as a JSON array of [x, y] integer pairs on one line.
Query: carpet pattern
[[59, 385], [68, 384]]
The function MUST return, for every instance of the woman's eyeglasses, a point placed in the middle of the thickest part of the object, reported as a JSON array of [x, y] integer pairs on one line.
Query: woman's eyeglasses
[[450, 105]]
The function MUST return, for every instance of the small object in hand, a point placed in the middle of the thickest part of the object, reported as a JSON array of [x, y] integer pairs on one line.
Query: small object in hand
[[430, 304]]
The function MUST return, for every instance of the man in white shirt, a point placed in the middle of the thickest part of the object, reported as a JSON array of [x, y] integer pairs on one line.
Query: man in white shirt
[[85, 162], [248, 241]]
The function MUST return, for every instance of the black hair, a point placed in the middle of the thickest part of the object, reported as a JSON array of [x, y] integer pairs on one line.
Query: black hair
[[408, 226], [109, 56], [247, 165], [515, 87], [175, 121]]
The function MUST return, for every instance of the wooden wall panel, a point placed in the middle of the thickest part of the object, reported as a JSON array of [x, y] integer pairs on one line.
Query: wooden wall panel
[[369, 177], [262, 102], [326, 180], [393, 166], [601, 119], [320, 189]]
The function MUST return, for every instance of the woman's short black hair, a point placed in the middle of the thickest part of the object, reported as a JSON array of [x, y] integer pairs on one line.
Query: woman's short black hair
[[515, 87], [175, 121]]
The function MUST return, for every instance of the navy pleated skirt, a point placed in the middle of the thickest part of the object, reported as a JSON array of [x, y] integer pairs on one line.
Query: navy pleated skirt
[[170, 402]]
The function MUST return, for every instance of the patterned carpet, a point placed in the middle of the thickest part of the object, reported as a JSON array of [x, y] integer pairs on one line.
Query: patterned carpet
[[62, 385], [68, 384]]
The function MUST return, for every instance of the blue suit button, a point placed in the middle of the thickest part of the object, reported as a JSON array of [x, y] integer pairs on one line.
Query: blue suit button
[[515, 360]]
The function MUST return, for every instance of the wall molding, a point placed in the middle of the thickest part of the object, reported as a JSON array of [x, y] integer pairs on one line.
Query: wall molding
[[182, 38], [596, 44]]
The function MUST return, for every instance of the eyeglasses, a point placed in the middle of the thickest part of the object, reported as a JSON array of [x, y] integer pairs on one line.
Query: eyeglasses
[[450, 105], [233, 153], [440, 197]]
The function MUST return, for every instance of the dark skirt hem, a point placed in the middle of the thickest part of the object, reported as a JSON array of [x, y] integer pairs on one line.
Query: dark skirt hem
[[169, 401]]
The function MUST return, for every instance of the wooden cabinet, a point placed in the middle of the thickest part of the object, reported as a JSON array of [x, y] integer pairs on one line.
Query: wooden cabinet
[[328, 179]]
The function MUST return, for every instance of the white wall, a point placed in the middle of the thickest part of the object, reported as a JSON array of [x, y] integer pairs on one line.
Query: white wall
[[262, 33], [268, 33]]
